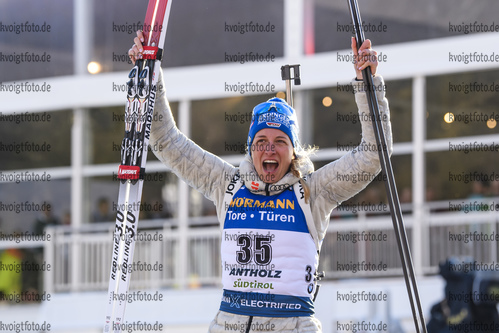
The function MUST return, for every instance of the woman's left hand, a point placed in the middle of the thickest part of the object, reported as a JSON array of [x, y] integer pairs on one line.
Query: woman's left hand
[[364, 57]]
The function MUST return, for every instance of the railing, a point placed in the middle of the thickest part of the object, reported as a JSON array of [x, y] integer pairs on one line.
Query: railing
[[82, 258]]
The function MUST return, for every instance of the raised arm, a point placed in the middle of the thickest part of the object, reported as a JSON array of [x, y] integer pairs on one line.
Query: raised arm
[[345, 177], [200, 169]]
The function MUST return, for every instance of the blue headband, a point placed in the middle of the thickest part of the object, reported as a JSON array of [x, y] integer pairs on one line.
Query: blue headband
[[277, 114]]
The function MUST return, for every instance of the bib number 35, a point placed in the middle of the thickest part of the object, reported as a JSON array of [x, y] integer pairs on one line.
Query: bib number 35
[[257, 249]]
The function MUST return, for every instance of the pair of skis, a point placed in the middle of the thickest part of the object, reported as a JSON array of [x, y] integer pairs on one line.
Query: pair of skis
[[141, 93]]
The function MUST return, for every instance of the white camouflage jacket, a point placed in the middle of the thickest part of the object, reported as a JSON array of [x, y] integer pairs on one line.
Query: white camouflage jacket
[[329, 185]]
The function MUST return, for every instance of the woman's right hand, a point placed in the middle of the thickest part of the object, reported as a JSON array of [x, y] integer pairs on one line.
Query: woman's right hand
[[135, 52]]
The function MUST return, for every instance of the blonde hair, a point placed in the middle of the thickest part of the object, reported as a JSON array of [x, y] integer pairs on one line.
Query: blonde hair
[[300, 162]]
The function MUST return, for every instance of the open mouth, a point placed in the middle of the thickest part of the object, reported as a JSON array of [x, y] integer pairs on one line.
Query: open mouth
[[270, 165]]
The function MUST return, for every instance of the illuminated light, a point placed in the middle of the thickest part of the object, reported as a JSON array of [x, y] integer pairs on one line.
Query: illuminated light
[[491, 123], [94, 67], [281, 94], [327, 101], [449, 117]]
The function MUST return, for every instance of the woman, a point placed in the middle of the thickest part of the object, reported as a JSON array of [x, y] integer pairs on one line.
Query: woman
[[274, 209]]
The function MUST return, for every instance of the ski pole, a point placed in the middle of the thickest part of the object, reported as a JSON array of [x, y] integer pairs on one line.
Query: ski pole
[[386, 168], [287, 76]]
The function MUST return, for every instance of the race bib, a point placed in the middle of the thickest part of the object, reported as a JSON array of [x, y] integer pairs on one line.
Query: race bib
[[268, 256]]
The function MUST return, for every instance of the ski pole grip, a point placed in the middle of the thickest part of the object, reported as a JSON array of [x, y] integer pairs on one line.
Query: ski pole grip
[[286, 73], [286, 76]]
